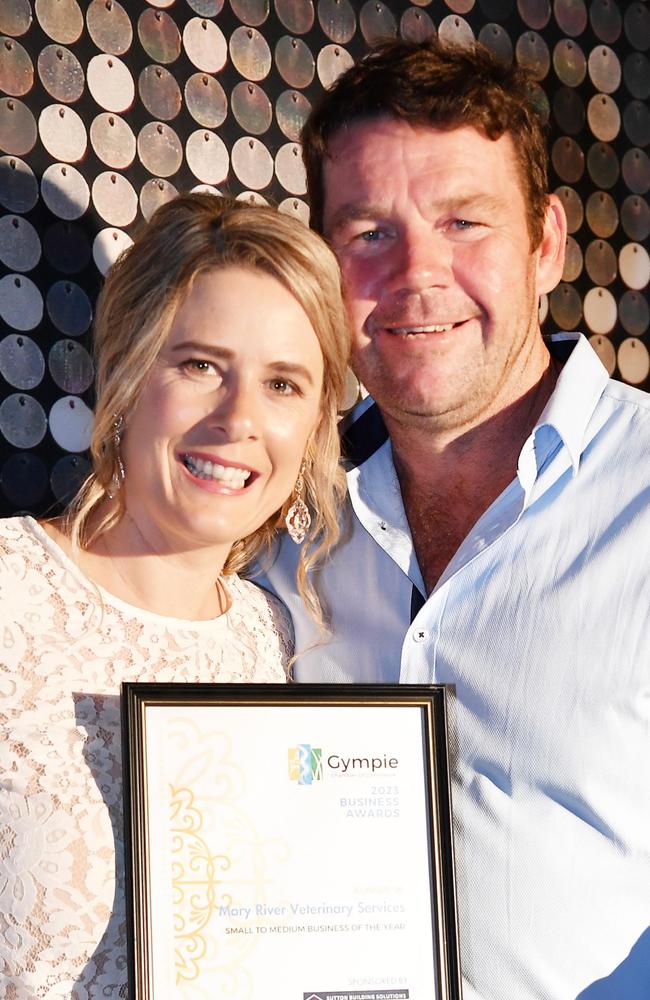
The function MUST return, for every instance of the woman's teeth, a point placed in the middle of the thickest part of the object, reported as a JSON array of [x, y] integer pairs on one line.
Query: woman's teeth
[[203, 468]]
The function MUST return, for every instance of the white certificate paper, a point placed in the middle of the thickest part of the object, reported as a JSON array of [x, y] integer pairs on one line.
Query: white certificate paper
[[288, 853]]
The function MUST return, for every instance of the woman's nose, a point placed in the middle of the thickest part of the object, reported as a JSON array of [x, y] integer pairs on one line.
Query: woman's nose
[[236, 413]]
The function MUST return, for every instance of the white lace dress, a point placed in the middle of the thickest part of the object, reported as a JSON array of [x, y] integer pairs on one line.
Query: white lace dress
[[65, 647]]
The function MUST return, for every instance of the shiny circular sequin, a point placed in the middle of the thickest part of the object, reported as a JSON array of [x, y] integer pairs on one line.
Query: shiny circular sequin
[[332, 61], [571, 16], [21, 361], [23, 480], [159, 92], [351, 392], [636, 170], [296, 15], [69, 308], [377, 22], [497, 40], [109, 26], [71, 423], [159, 36], [606, 20], [634, 313], [635, 218], [634, 265], [253, 12], [61, 73], [63, 133], [205, 45], [496, 10], [296, 209], [20, 247], [21, 303], [207, 156], [604, 69], [602, 214], [542, 311], [110, 83], [250, 53], [535, 13], [605, 351], [290, 170], [338, 20], [16, 70], [251, 107], [155, 193], [65, 191], [252, 198], [67, 476], [107, 246], [569, 62], [573, 260], [602, 164], [113, 141], [15, 17], [636, 122], [568, 110], [633, 361], [604, 117], [22, 420], [252, 163], [600, 263], [294, 62], [61, 20], [454, 30], [636, 73], [206, 100], [532, 54], [70, 366], [18, 131], [114, 199], [416, 25], [572, 204], [159, 149], [204, 8], [637, 25], [460, 6], [292, 110], [600, 310], [568, 159], [66, 247], [565, 306], [18, 186]]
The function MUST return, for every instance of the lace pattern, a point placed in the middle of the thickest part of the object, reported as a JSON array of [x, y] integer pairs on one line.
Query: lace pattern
[[65, 648]]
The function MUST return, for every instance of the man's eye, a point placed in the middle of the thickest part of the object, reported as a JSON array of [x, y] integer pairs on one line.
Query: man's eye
[[370, 235], [464, 224]]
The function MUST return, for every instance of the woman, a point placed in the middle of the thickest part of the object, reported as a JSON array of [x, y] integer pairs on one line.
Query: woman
[[221, 346]]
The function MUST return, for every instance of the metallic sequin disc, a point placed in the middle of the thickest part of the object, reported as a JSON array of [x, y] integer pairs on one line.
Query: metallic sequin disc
[[294, 61], [153, 194], [112, 140], [71, 423], [496, 10], [292, 110], [568, 110], [252, 163], [605, 351], [22, 420], [636, 171], [636, 122], [253, 12], [109, 26], [16, 70], [18, 186], [110, 83], [159, 92], [205, 45], [206, 100], [66, 247], [572, 260], [70, 366], [21, 361], [207, 156], [337, 19], [633, 361], [532, 53], [63, 133], [332, 61], [377, 22], [159, 149], [23, 480], [600, 310], [296, 209], [65, 191], [68, 473], [114, 199], [69, 308], [250, 53], [635, 218], [636, 73], [107, 246], [602, 214], [572, 204], [252, 198], [20, 246], [604, 69], [569, 62], [634, 313], [205, 8], [634, 265], [15, 17], [416, 25], [568, 159], [62, 20], [159, 36], [602, 164], [251, 107], [605, 19], [637, 25], [454, 30], [497, 40], [571, 16], [565, 306], [18, 130], [296, 15], [600, 263], [61, 73], [535, 13], [21, 303], [604, 117], [289, 168]]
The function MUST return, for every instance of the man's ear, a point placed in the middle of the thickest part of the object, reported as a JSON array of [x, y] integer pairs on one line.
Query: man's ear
[[550, 252]]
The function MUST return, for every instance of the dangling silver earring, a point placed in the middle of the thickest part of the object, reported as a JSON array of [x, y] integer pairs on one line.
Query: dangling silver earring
[[298, 517], [118, 476]]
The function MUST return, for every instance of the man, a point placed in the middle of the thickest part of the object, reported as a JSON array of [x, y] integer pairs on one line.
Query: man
[[498, 537]]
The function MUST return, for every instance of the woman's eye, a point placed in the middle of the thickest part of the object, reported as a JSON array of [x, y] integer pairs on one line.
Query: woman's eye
[[200, 366], [282, 387]]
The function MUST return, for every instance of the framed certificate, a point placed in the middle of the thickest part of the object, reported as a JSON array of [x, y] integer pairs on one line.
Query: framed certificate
[[289, 842]]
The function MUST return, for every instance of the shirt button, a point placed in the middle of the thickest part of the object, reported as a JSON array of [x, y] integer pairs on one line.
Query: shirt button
[[419, 635]]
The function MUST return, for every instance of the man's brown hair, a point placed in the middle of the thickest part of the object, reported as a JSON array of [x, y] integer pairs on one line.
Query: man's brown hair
[[444, 86]]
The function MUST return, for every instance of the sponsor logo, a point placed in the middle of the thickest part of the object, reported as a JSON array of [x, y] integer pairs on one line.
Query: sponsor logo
[[305, 764]]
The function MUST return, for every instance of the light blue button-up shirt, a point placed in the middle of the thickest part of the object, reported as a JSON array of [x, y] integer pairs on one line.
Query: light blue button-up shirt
[[541, 623]]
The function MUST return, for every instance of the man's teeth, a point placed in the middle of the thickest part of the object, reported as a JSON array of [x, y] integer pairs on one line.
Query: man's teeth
[[433, 328], [203, 468]]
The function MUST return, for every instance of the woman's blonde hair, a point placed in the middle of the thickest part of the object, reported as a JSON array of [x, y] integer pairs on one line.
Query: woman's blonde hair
[[189, 236]]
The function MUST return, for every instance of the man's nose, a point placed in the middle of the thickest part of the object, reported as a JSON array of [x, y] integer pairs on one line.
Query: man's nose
[[422, 259]]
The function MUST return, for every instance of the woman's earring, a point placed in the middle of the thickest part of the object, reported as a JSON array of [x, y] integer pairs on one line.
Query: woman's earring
[[298, 518], [118, 476]]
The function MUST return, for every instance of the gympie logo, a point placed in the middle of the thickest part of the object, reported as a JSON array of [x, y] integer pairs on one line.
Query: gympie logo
[[305, 764]]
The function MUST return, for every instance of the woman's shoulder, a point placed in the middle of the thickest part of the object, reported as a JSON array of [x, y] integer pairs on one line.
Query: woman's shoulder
[[21, 542], [262, 614]]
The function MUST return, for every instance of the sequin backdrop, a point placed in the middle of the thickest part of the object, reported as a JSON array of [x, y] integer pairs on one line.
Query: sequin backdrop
[[109, 108]]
